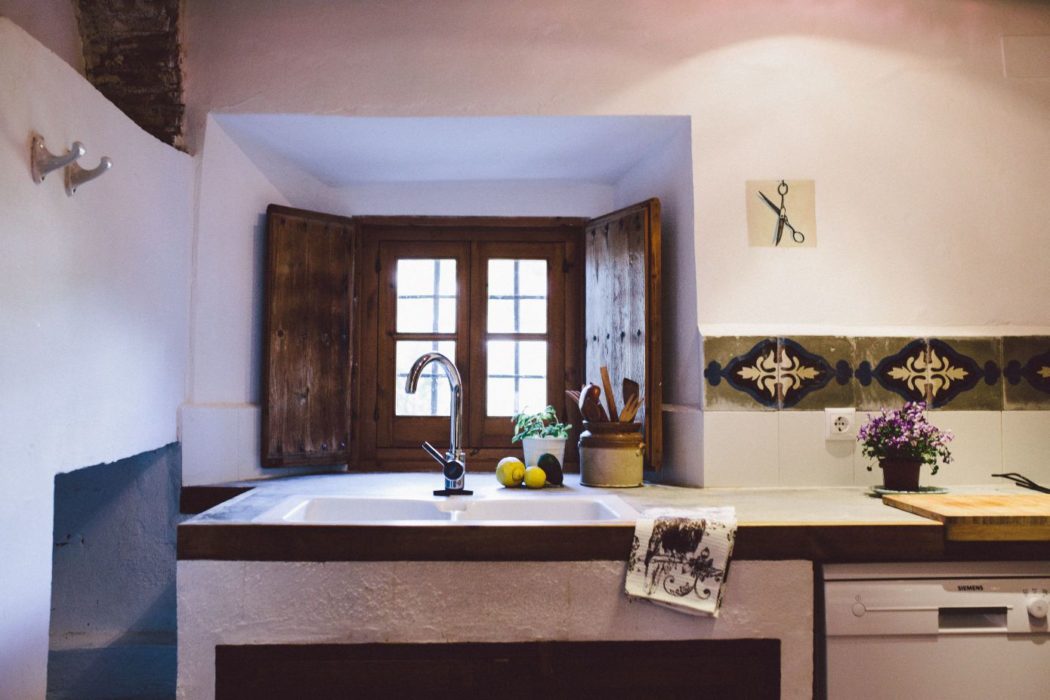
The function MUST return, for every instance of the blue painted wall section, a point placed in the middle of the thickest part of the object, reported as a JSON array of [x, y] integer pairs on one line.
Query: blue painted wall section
[[987, 373], [113, 621]]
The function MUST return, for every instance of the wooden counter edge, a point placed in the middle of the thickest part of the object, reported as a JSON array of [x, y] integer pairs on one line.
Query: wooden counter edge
[[838, 542]]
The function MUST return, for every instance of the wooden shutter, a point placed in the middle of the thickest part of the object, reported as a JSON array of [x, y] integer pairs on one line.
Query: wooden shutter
[[622, 310], [307, 338]]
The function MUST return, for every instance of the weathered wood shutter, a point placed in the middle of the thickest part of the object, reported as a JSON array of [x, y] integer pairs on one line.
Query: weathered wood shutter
[[308, 321], [622, 310]]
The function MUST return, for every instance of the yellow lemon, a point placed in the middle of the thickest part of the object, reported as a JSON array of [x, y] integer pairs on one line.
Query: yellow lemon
[[535, 478], [510, 472]]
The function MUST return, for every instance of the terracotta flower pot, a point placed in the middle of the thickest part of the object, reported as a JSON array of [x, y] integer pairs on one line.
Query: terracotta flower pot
[[900, 473]]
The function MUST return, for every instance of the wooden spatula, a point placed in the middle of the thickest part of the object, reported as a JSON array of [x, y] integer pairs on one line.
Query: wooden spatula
[[630, 409], [630, 388]]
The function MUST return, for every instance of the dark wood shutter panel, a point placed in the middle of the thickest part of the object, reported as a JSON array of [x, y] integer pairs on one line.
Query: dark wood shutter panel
[[307, 338], [622, 310]]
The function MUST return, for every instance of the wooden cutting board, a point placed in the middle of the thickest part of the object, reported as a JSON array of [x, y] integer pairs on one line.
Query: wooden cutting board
[[982, 517]]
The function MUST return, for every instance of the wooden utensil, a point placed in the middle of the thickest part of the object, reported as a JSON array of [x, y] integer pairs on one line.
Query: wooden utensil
[[630, 388], [573, 400], [631, 409], [610, 400], [589, 403]]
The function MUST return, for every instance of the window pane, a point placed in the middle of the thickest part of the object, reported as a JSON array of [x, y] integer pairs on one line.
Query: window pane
[[517, 296], [432, 392], [532, 316], [532, 277], [517, 376], [501, 277], [426, 296]]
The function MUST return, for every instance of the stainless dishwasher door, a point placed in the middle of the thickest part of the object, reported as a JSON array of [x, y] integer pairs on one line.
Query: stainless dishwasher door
[[972, 630]]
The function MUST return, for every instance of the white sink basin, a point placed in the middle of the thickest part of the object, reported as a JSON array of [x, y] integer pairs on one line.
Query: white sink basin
[[556, 509], [536, 510]]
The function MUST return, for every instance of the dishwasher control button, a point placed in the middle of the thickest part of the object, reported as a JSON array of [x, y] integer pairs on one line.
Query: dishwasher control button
[[1037, 606], [859, 609]]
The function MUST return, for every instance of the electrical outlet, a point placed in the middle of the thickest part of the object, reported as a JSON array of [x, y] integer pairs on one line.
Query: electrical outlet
[[840, 423]]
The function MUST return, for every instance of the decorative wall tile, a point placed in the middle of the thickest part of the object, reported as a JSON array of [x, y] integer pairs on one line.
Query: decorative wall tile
[[815, 372], [965, 372], [889, 371], [1026, 372], [741, 373]]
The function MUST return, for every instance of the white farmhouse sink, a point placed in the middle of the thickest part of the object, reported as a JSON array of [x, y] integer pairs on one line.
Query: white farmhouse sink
[[535, 509], [555, 509]]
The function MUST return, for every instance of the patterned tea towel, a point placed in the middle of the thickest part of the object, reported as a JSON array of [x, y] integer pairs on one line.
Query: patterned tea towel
[[680, 558]]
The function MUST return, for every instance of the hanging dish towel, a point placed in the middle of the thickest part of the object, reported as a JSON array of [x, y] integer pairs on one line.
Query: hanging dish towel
[[680, 558]]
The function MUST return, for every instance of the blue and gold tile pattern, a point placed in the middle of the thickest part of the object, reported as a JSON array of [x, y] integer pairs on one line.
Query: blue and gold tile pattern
[[814, 372]]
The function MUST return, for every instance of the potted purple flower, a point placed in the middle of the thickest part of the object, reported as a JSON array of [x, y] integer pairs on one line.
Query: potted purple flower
[[902, 441]]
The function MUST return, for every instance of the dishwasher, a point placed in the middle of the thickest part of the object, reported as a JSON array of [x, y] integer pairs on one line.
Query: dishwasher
[[938, 630]]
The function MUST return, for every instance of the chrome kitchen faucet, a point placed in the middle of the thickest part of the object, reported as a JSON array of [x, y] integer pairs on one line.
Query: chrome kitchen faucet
[[454, 462]]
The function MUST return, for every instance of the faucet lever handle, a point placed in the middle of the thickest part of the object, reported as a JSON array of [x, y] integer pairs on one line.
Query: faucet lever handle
[[432, 451]]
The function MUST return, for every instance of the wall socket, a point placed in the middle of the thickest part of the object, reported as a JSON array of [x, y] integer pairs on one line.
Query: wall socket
[[840, 424]]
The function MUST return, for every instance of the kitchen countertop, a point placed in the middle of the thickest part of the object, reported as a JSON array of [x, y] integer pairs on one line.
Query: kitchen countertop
[[829, 524]]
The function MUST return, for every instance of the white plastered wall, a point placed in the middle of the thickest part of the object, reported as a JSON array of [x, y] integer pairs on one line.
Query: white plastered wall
[[94, 296], [224, 602], [928, 161]]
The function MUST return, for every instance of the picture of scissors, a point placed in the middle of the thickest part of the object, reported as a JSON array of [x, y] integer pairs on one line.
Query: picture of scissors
[[782, 217]]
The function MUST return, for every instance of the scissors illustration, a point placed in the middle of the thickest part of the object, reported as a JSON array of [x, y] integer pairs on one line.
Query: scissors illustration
[[782, 217]]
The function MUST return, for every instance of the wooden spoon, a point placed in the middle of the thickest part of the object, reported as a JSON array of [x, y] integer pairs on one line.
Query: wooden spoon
[[610, 400], [589, 404]]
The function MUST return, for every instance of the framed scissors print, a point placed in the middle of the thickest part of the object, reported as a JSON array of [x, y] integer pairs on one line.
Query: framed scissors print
[[781, 213]]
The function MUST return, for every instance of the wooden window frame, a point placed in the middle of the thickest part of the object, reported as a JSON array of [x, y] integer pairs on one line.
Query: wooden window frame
[[391, 443]]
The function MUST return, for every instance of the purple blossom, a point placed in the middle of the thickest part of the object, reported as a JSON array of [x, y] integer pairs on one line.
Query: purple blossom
[[905, 433]]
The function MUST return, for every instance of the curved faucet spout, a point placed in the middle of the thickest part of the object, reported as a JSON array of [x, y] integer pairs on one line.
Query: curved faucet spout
[[455, 436]]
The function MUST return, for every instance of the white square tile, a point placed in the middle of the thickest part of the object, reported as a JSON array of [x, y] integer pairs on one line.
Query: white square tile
[[683, 448], [861, 475], [1026, 444], [249, 425], [806, 458], [977, 449], [209, 444], [740, 448]]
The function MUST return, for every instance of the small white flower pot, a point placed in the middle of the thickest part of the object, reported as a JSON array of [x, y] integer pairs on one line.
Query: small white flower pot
[[536, 447]]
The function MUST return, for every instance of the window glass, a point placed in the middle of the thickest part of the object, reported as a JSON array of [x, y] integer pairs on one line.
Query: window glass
[[426, 296], [432, 395], [517, 376], [517, 296]]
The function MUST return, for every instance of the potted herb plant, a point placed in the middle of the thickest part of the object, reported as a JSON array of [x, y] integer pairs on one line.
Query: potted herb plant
[[902, 441], [541, 433]]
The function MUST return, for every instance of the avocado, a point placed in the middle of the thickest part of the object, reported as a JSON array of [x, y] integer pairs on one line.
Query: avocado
[[552, 468]]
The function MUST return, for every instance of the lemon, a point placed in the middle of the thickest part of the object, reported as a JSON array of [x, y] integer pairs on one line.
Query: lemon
[[510, 472], [535, 478]]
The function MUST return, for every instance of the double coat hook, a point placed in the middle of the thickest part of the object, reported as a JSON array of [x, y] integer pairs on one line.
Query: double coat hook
[[43, 162]]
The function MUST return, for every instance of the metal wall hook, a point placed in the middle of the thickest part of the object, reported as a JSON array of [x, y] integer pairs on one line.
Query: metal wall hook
[[77, 176], [42, 161]]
